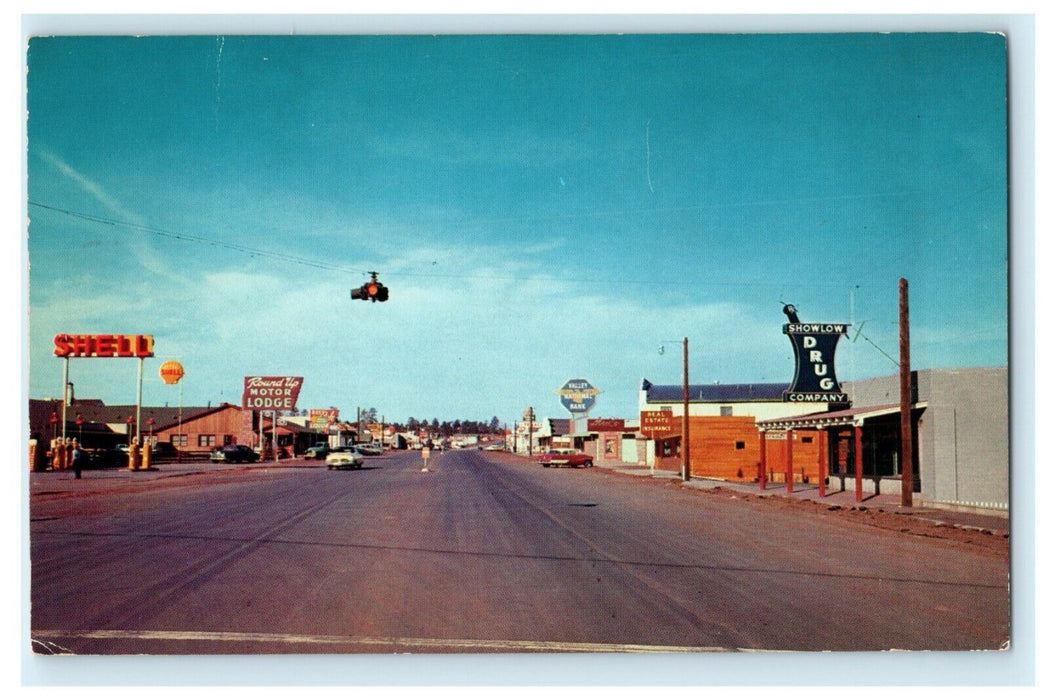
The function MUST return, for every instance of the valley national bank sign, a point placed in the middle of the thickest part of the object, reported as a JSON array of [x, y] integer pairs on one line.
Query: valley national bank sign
[[814, 346]]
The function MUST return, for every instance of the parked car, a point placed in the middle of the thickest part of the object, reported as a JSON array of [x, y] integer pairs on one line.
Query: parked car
[[105, 458], [163, 451], [234, 453], [372, 450], [318, 451], [344, 458], [565, 457]]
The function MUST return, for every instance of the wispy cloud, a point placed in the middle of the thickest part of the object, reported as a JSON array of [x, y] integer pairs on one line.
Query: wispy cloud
[[145, 254], [92, 188]]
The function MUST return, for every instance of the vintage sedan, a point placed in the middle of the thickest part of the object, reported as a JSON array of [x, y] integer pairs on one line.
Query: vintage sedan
[[234, 453], [344, 458], [565, 457], [318, 451]]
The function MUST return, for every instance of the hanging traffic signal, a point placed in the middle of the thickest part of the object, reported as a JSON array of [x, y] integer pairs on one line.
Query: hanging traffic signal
[[373, 290]]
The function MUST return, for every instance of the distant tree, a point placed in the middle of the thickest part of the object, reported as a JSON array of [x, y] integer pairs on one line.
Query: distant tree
[[493, 425]]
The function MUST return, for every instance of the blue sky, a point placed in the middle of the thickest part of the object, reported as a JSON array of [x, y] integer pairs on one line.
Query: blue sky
[[541, 207]]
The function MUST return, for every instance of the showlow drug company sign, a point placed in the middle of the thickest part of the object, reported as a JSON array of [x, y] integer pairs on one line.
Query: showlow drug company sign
[[814, 346]]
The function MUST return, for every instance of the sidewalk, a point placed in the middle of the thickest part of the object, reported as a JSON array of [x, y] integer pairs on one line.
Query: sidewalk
[[92, 479], [985, 520]]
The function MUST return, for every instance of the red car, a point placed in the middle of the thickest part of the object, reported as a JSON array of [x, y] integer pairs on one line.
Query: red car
[[566, 458]]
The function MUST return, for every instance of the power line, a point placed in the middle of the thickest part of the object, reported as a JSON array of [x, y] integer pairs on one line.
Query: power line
[[285, 257], [256, 252]]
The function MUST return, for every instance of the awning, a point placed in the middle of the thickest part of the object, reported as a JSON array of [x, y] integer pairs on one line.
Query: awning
[[827, 419]]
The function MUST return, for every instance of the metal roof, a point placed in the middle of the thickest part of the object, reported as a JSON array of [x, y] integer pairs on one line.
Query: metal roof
[[560, 426], [96, 414], [720, 393], [848, 416]]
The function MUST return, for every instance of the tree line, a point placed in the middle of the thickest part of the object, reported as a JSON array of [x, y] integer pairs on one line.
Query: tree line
[[434, 427]]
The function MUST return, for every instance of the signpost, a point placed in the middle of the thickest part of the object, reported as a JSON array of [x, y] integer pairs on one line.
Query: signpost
[[271, 394], [172, 372], [68, 345]]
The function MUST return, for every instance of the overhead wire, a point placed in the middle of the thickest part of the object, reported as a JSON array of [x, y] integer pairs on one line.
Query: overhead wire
[[286, 257], [256, 252]]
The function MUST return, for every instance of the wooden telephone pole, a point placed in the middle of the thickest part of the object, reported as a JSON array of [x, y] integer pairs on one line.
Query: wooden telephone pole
[[906, 447]]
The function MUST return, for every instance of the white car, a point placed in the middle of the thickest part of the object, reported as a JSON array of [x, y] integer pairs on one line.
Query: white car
[[344, 458]]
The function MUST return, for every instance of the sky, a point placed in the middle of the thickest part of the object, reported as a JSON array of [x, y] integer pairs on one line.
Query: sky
[[542, 208]]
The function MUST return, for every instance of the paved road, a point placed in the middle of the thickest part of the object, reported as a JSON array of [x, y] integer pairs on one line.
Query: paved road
[[481, 553]]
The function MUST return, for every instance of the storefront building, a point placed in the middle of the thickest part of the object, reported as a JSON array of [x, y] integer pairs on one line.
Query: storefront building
[[960, 423], [723, 435], [192, 430], [747, 432]]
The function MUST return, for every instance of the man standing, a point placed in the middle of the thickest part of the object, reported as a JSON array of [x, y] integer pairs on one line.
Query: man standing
[[78, 459]]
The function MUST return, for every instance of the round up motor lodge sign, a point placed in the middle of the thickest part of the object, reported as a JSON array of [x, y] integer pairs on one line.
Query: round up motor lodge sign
[[271, 393], [814, 347]]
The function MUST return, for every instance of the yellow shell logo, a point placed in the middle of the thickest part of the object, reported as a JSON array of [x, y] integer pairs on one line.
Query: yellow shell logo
[[171, 372]]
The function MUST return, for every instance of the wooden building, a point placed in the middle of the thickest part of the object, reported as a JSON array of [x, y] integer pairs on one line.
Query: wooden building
[[192, 430]]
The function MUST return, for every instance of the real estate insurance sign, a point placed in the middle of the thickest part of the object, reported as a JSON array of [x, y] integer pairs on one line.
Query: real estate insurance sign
[[814, 377], [271, 393]]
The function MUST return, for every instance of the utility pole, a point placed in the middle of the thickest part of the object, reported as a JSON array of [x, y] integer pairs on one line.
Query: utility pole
[[531, 424], [906, 448], [686, 470]]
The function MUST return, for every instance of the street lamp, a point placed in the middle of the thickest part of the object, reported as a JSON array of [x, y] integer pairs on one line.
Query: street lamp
[[686, 471]]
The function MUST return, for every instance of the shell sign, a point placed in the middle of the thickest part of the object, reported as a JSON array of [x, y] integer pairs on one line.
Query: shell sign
[[103, 345], [171, 372]]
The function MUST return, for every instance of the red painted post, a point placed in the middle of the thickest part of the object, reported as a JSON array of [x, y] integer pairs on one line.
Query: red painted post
[[858, 432], [761, 462], [821, 455], [790, 461]]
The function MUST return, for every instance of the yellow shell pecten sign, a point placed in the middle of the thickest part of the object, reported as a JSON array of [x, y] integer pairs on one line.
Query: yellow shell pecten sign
[[171, 372]]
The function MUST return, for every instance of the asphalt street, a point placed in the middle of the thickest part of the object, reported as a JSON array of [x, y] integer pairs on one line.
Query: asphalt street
[[479, 553]]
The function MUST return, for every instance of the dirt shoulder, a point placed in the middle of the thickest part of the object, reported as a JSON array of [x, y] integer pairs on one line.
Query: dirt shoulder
[[984, 533]]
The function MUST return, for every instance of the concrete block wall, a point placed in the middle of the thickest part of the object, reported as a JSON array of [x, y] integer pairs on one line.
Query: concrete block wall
[[963, 434]]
